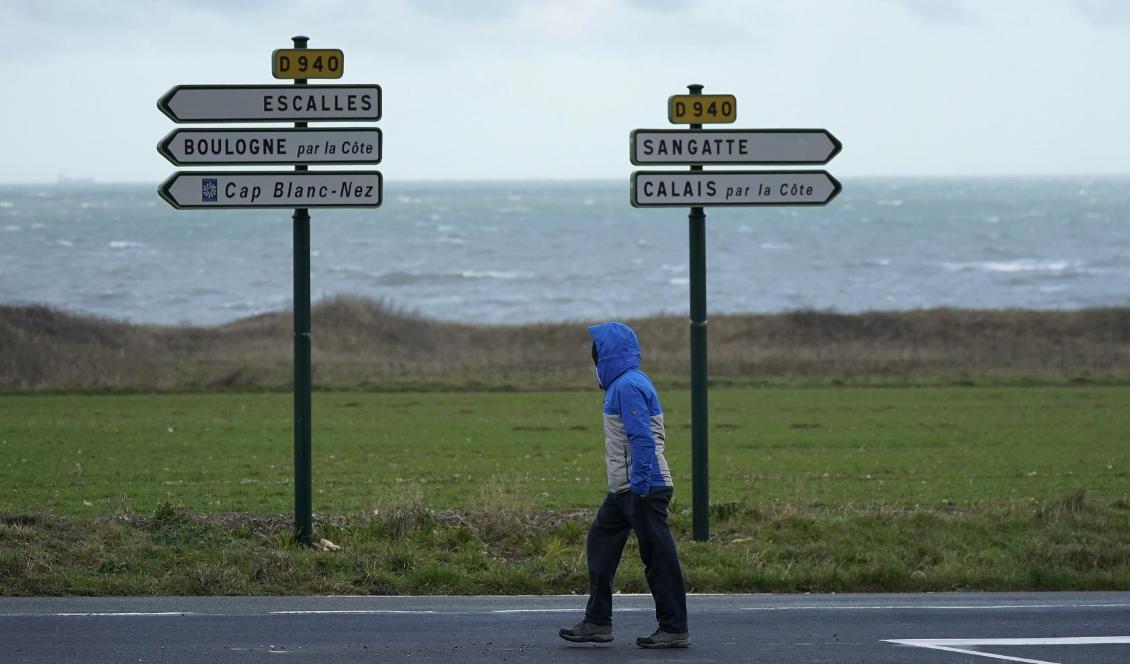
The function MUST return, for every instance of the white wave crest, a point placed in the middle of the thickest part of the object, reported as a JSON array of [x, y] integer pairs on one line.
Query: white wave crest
[[1018, 265], [491, 274]]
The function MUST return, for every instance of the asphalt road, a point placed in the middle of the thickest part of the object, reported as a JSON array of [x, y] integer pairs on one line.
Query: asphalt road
[[948, 628]]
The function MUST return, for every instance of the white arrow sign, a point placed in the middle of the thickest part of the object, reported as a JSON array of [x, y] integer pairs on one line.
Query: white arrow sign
[[271, 103], [733, 146], [720, 188], [190, 147], [268, 189]]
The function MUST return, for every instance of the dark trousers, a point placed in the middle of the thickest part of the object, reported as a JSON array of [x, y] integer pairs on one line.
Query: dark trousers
[[621, 514]]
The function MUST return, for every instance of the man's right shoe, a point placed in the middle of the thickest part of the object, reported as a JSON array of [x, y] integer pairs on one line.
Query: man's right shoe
[[661, 639], [586, 632]]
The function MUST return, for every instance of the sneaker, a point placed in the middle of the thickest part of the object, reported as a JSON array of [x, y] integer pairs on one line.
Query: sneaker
[[661, 639], [586, 632]]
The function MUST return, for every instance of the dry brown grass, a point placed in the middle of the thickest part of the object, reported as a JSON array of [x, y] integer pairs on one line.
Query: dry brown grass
[[359, 342]]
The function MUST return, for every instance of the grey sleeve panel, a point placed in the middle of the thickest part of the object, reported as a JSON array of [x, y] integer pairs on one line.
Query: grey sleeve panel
[[617, 453], [659, 432]]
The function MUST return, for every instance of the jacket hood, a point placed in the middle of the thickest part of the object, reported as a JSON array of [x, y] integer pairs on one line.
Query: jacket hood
[[617, 351]]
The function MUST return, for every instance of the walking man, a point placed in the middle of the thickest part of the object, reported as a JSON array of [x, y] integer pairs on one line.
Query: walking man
[[639, 492]]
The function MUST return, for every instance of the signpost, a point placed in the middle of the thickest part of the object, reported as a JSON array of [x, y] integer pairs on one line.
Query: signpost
[[719, 188], [186, 190], [247, 147], [699, 189], [271, 103], [307, 63], [298, 189], [733, 146], [699, 109]]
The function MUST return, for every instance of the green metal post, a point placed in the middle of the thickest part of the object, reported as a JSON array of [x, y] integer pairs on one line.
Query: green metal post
[[700, 483], [303, 502]]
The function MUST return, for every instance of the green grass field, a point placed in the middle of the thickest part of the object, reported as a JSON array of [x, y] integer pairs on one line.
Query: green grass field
[[812, 489], [99, 455]]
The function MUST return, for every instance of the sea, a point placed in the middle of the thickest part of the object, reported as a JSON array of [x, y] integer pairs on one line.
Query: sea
[[532, 251]]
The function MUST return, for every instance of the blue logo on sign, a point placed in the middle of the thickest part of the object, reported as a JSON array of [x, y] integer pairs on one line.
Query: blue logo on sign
[[209, 190]]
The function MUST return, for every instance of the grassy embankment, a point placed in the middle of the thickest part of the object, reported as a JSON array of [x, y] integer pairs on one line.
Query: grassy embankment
[[361, 345], [1018, 482]]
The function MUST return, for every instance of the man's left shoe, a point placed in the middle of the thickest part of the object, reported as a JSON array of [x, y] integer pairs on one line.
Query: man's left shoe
[[586, 632], [661, 639]]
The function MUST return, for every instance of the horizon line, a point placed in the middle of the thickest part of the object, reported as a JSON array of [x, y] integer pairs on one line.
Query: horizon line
[[82, 181]]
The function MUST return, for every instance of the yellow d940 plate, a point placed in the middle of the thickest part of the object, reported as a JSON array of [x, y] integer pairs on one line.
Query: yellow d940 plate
[[702, 109], [307, 63]]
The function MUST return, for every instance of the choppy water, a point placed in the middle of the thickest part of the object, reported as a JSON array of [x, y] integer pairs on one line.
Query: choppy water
[[520, 252]]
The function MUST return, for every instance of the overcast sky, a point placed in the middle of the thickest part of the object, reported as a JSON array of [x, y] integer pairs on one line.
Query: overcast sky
[[499, 89]]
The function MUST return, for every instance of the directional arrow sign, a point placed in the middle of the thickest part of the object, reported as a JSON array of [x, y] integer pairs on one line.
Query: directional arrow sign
[[192, 147], [721, 188], [271, 103], [269, 189], [733, 146]]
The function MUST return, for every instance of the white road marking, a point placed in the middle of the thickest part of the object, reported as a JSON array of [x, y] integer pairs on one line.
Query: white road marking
[[572, 610], [362, 612], [315, 612], [988, 655], [1056, 641], [949, 645], [934, 607], [807, 607], [127, 613]]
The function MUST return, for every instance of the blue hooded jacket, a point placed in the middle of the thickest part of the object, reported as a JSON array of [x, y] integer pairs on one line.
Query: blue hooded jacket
[[634, 435]]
